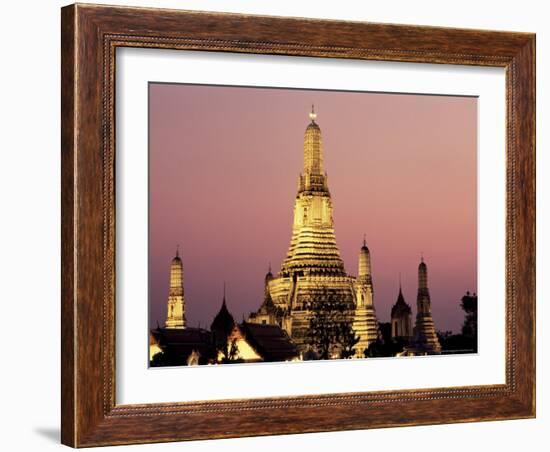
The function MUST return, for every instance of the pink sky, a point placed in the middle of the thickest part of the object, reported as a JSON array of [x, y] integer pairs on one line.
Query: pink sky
[[224, 165]]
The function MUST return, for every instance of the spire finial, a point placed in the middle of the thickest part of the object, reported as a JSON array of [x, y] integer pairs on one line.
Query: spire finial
[[269, 267], [364, 239], [224, 292], [421, 256], [399, 281], [313, 115], [178, 250]]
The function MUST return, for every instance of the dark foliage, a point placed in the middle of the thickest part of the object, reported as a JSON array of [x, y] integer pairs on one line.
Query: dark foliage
[[469, 329], [385, 346], [330, 325], [162, 359], [229, 352], [348, 340], [455, 343]]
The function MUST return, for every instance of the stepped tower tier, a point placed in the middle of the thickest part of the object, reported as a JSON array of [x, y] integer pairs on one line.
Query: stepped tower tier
[[313, 247], [176, 299], [425, 339]]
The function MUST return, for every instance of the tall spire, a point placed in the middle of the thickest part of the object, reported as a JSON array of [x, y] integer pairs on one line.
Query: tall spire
[[364, 270], [313, 115], [399, 282], [423, 276], [313, 153], [425, 335], [176, 298], [313, 245], [364, 323]]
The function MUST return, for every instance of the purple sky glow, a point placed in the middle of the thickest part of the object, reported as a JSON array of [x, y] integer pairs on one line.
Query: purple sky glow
[[224, 165]]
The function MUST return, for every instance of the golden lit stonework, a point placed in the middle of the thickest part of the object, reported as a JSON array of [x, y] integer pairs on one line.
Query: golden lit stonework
[[176, 300], [365, 323], [313, 268]]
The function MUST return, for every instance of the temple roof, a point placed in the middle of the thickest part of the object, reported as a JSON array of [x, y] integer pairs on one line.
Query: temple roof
[[182, 342], [223, 322], [400, 307], [270, 341], [168, 336]]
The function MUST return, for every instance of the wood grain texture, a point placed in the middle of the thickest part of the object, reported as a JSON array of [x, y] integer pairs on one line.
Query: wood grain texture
[[68, 311], [90, 36]]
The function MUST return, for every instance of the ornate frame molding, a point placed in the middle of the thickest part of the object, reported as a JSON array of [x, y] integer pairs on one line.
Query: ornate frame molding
[[90, 37]]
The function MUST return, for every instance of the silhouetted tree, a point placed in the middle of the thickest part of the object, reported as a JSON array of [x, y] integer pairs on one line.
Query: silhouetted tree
[[168, 358], [330, 324], [348, 339], [229, 352], [466, 342], [385, 345], [469, 328], [158, 360]]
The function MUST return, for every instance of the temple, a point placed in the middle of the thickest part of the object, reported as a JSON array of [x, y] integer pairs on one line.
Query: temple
[[311, 296], [313, 269]]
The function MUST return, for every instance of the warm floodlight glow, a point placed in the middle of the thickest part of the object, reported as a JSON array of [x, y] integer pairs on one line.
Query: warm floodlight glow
[[313, 115]]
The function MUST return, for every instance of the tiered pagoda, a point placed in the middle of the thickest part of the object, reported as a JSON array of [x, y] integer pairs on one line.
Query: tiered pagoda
[[313, 269]]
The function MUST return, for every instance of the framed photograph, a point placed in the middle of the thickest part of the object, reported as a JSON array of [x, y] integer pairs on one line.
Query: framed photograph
[[282, 225]]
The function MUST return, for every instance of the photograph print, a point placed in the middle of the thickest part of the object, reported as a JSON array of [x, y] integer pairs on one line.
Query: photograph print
[[290, 225]]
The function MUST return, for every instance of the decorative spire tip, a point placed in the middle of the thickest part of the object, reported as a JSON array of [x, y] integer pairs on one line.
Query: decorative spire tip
[[313, 115]]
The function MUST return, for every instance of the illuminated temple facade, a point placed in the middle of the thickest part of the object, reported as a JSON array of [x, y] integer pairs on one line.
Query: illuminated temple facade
[[313, 268]]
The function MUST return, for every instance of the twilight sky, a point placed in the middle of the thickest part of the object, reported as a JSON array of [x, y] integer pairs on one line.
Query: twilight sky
[[224, 166]]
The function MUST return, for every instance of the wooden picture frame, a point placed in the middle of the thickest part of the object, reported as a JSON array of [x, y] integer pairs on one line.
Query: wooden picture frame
[[90, 36]]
